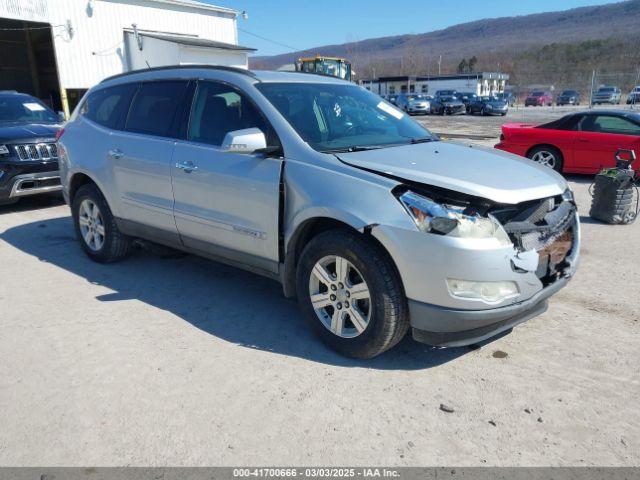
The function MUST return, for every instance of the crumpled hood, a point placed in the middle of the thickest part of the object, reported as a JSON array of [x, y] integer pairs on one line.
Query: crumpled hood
[[482, 172], [10, 132]]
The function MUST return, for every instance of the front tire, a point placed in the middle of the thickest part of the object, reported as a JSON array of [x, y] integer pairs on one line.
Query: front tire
[[351, 293], [96, 227]]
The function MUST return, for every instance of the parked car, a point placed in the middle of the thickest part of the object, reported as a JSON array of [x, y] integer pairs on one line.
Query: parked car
[[538, 99], [447, 105], [413, 103], [583, 142], [634, 96], [28, 154], [486, 105], [610, 95], [466, 98], [314, 182], [508, 97], [568, 97]]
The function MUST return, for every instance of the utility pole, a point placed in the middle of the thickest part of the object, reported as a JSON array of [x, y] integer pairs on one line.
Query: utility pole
[[593, 81], [439, 64]]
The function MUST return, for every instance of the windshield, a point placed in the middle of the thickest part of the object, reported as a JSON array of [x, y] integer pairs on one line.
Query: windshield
[[416, 97], [25, 109], [333, 117], [569, 92], [607, 90], [537, 94]]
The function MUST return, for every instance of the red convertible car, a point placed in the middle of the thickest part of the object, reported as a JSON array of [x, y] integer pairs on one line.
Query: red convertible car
[[583, 142]]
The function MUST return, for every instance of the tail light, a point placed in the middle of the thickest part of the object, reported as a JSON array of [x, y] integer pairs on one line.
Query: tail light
[[59, 134]]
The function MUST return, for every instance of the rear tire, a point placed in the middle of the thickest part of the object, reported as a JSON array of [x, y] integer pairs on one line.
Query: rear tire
[[381, 316], [548, 156], [96, 227]]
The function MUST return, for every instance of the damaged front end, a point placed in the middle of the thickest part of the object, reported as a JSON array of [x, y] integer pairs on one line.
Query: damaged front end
[[548, 227], [498, 254]]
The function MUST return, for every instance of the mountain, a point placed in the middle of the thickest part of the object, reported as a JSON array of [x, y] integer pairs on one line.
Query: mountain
[[498, 41]]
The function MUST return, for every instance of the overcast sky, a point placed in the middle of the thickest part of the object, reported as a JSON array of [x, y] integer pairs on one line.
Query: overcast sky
[[301, 24]]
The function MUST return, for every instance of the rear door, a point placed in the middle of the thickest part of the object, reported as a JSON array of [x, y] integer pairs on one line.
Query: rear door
[[141, 157], [600, 136], [226, 204]]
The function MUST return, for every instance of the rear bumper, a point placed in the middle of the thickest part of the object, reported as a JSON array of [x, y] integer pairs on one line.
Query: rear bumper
[[445, 327]]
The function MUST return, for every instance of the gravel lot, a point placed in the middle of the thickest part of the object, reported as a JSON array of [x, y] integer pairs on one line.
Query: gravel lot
[[181, 361]]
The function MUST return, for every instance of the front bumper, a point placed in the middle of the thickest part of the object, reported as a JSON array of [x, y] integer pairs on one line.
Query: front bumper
[[455, 109], [445, 327], [19, 179], [418, 109], [496, 111], [439, 318], [611, 100]]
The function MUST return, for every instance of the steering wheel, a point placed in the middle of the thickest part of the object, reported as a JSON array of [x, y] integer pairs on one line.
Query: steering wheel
[[357, 129]]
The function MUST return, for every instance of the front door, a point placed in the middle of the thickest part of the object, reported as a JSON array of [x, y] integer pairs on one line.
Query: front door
[[226, 204], [598, 139]]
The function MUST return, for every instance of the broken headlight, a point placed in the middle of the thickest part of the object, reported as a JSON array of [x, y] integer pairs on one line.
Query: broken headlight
[[451, 220]]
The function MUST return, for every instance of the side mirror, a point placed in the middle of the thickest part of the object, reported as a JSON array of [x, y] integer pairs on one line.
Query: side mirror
[[61, 116], [244, 141]]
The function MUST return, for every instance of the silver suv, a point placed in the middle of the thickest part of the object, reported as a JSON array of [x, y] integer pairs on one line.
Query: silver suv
[[370, 220]]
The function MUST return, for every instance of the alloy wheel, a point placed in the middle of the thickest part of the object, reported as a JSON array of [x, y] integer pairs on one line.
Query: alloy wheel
[[91, 225], [545, 158], [340, 296]]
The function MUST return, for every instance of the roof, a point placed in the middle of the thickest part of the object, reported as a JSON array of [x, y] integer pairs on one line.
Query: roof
[[194, 41], [198, 5]]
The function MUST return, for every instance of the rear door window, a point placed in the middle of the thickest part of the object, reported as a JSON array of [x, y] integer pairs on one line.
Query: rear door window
[[108, 106], [155, 107]]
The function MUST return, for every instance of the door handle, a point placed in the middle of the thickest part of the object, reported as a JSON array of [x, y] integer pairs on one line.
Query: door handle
[[187, 166], [116, 153]]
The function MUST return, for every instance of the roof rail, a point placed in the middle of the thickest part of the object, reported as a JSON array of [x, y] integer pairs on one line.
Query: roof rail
[[184, 67], [8, 91]]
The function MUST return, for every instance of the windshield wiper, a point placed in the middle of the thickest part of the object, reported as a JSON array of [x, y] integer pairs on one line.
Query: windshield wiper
[[422, 140], [354, 148]]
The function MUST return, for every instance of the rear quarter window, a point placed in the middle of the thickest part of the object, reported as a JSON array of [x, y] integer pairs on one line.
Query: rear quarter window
[[108, 106]]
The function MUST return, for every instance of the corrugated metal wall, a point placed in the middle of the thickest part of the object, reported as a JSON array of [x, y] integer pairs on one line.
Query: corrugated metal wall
[[93, 47]]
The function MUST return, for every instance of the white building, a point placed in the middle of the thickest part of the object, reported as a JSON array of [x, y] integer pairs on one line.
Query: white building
[[482, 83], [57, 49]]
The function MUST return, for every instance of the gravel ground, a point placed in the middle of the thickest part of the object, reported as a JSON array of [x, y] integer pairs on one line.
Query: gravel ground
[[181, 361]]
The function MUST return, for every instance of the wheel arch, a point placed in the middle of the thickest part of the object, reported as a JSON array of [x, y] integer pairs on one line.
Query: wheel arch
[[81, 178], [76, 181], [545, 145], [309, 228]]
